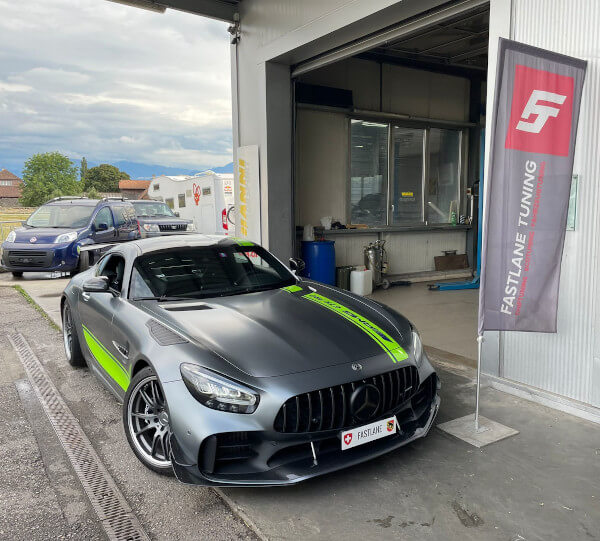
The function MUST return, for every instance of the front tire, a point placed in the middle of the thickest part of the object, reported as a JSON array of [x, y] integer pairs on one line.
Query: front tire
[[146, 422], [17, 274], [83, 264], [71, 338]]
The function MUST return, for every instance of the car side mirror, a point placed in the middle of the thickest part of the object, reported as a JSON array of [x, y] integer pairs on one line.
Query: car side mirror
[[103, 226], [176, 214], [297, 264], [97, 284]]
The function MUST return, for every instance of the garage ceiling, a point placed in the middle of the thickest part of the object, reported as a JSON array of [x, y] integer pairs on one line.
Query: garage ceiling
[[460, 42]]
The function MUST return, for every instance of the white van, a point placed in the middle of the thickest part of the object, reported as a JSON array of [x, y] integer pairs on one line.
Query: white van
[[206, 198]]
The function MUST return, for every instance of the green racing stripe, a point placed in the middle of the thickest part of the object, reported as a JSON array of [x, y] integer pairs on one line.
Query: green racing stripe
[[292, 289], [383, 339], [108, 361]]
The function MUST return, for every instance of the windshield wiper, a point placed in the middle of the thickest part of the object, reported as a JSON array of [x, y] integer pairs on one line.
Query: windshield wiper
[[165, 298]]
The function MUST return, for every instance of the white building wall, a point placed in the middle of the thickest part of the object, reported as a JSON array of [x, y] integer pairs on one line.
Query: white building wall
[[567, 363], [280, 33]]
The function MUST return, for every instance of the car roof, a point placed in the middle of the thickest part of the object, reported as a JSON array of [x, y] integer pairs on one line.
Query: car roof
[[154, 244], [77, 202], [85, 202]]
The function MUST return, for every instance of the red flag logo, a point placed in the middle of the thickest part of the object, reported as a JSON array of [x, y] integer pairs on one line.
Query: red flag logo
[[541, 112]]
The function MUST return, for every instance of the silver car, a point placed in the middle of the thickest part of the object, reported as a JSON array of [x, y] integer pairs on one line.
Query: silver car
[[233, 371]]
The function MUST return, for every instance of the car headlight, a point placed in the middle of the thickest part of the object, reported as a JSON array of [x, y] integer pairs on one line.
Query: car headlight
[[151, 227], [65, 237], [11, 237], [217, 392], [191, 227], [417, 347]]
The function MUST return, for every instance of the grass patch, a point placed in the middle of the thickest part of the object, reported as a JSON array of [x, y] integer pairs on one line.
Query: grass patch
[[37, 307], [13, 215]]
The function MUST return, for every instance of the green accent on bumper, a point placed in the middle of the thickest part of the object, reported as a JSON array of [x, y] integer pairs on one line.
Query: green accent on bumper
[[383, 339], [292, 289], [112, 366]]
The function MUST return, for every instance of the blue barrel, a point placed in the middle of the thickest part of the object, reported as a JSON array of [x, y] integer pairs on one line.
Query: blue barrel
[[319, 257]]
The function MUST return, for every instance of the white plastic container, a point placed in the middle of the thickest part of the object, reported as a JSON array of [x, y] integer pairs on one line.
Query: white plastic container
[[361, 282]]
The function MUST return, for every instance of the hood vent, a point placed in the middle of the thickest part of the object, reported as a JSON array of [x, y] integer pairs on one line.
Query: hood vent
[[186, 307], [163, 335]]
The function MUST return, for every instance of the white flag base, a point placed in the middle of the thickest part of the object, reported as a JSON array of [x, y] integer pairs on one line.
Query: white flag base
[[488, 431]]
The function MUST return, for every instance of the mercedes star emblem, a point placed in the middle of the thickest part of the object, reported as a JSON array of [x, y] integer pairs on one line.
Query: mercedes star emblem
[[365, 402]]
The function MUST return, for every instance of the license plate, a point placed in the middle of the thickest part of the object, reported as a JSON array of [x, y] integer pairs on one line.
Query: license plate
[[370, 432]]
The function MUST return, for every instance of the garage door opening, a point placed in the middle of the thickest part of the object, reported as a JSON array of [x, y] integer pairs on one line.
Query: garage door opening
[[388, 144]]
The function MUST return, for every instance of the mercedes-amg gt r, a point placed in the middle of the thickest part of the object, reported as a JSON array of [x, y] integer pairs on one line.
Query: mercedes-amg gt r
[[233, 371]]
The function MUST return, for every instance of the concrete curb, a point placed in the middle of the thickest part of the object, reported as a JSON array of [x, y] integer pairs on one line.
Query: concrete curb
[[238, 512]]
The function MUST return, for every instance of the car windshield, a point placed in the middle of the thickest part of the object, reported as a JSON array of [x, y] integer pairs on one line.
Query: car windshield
[[150, 209], [67, 216], [207, 271]]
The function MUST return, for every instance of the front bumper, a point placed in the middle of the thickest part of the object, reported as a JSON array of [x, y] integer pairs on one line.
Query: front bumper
[[266, 457], [21, 257]]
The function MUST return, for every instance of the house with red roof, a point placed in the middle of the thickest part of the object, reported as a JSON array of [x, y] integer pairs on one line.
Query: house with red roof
[[11, 187], [134, 189]]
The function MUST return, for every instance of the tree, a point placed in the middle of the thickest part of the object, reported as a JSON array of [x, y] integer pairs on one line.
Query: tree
[[83, 169], [104, 177], [48, 175], [92, 193]]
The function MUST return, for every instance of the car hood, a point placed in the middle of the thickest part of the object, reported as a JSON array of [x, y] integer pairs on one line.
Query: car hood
[[42, 235], [279, 332], [164, 221]]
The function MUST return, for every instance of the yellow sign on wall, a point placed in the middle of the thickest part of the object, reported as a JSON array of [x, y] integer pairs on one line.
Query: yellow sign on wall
[[248, 193]]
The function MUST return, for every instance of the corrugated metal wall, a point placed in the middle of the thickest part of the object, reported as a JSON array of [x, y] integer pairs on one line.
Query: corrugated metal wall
[[568, 363]]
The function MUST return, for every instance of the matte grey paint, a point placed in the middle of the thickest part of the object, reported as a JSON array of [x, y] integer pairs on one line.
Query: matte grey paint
[[271, 341]]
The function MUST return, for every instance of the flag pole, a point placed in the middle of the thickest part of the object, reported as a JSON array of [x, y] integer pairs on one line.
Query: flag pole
[[479, 343]]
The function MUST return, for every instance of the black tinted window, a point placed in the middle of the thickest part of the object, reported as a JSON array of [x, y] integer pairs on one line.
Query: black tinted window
[[209, 271]]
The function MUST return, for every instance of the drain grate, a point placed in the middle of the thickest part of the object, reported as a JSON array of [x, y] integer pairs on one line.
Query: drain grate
[[109, 504]]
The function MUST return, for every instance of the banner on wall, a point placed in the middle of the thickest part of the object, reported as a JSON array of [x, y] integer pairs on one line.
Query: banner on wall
[[247, 193], [536, 109]]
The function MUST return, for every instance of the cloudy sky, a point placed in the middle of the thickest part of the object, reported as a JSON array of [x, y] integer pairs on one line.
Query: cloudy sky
[[109, 82]]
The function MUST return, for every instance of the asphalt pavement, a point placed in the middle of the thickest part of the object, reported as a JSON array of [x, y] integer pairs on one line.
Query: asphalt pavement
[[543, 484]]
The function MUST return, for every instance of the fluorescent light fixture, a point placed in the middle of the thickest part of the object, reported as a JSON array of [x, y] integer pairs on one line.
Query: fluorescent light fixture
[[142, 4]]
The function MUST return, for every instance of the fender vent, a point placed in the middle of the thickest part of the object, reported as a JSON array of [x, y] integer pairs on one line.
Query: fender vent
[[163, 335]]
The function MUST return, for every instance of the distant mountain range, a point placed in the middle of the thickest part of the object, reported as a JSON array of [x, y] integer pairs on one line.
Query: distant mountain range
[[145, 171], [138, 170]]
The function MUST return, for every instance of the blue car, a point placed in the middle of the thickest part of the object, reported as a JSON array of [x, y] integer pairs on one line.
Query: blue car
[[54, 237]]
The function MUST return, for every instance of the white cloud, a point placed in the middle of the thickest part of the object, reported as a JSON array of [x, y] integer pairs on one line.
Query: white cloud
[[109, 82]]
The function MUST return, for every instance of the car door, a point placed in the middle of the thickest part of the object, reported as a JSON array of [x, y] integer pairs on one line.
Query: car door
[[97, 311], [103, 226]]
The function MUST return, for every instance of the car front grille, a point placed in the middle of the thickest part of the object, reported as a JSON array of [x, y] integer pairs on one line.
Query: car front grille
[[30, 258], [329, 408], [173, 227]]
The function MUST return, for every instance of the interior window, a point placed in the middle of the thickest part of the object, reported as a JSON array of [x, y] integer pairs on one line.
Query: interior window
[[407, 202], [104, 216], [444, 178], [368, 172], [113, 267]]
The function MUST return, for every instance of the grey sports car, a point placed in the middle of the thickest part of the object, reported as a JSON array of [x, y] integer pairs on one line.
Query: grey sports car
[[233, 371]]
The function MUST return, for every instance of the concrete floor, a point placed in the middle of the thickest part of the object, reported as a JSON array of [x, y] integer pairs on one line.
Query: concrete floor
[[447, 320], [543, 484]]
